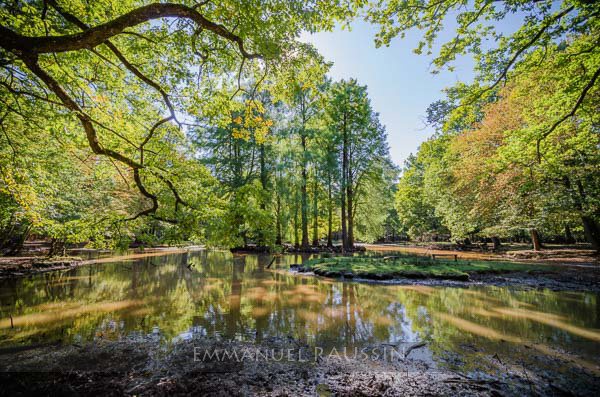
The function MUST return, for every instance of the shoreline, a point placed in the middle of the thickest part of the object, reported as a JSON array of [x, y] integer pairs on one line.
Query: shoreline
[[574, 282], [145, 366], [574, 269], [16, 267], [558, 255]]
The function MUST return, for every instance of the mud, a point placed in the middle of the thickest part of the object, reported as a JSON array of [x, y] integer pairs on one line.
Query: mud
[[11, 267], [148, 367]]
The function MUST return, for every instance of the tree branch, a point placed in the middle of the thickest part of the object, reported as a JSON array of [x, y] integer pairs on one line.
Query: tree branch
[[94, 143], [558, 122], [96, 35], [80, 24], [520, 51]]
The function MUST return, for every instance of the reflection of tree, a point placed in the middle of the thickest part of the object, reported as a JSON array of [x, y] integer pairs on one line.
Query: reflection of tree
[[235, 295], [239, 296], [260, 314]]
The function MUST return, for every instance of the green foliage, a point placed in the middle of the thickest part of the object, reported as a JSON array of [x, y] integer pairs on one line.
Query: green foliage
[[163, 131], [513, 167], [410, 267], [415, 213], [475, 25]]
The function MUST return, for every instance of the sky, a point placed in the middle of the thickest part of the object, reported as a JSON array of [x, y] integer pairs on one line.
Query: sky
[[399, 81]]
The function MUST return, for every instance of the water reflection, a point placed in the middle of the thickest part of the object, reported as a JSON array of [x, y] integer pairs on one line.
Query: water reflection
[[238, 296]]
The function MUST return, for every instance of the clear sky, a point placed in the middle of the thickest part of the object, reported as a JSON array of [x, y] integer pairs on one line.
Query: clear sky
[[399, 81]]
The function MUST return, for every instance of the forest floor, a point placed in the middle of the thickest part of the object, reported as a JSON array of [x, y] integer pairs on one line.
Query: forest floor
[[148, 367], [551, 254]]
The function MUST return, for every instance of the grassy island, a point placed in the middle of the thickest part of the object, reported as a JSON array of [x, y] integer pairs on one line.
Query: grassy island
[[386, 268]]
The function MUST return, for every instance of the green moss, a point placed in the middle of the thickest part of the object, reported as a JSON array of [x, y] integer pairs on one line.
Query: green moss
[[407, 266]]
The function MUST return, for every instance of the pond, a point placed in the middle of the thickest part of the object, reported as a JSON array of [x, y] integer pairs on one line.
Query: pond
[[216, 293]]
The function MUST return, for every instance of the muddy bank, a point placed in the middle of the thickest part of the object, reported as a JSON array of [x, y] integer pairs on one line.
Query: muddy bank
[[146, 367], [22, 266], [11, 267]]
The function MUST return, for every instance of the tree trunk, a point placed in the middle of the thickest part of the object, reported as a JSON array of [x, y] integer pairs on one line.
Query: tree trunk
[[58, 247], [590, 226], [591, 231], [296, 237], [344, 182], [535, 239], [278, 220], [315, 239], [14, 238], [329, 213], [350, 194], [263, 168], [496, 242], [263, 183], [304, 195], [569, 239]]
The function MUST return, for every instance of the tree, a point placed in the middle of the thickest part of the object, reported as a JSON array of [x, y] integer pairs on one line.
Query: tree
[[363, 143], [509, 169], [301, 87], [123, 82], [415, 213]]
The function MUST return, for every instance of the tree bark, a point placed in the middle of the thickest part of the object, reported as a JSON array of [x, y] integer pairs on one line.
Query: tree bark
[[278, 220], [296, 236], [263, 182], [496, 243], [350, 194], [344, 182], [535, 239], [591, 231], [97, 35], [569, 239], [329, 212], [315, 239], [304, 193], [58, 247]]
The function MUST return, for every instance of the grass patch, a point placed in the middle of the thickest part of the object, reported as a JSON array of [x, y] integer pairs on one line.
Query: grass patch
[[407, 266]]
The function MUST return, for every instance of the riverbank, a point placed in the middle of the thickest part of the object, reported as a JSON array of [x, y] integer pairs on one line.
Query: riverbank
[[11, 267], [405, 269], [551, 254], [200, 366]]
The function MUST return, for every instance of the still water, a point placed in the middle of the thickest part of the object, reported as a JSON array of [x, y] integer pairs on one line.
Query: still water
[[236, 296]]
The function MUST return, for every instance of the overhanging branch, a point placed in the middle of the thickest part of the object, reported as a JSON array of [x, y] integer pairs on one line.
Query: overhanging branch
[[97, 35]]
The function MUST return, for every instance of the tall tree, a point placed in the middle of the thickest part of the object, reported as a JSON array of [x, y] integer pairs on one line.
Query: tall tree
[[124, 78], [361, 139], [301, 87]]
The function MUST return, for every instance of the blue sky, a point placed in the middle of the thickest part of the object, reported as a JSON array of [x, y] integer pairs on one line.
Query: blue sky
[[399, 82]]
